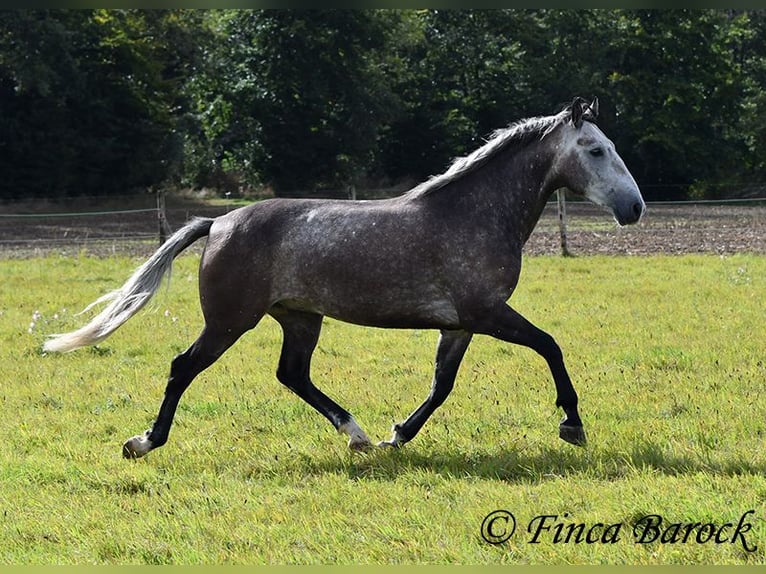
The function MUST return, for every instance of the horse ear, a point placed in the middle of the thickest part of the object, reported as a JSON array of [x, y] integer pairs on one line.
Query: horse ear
[[594, 107], [578, 106]]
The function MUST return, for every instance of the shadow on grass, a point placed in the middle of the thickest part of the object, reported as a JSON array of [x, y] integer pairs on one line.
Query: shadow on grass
[[521, 466]]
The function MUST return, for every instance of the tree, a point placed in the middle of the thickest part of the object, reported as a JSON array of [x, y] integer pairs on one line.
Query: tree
[[465, 78], [678, 93], [89, 99], [304, 98], [113, 101], [474, 71], [746, 43]]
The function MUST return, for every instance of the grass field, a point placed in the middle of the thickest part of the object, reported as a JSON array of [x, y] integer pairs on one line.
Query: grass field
[[667, 354]]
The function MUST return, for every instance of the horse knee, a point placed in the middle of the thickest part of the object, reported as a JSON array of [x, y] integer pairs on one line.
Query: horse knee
[[549, 348], [290, 378]]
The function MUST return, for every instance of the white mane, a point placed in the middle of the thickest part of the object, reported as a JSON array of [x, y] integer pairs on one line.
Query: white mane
[[498, 140]]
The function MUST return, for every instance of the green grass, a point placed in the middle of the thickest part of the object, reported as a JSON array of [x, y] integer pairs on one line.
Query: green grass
[[667, 354]]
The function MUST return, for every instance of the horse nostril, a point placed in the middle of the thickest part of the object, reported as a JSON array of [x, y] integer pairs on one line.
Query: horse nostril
[[638, 209]]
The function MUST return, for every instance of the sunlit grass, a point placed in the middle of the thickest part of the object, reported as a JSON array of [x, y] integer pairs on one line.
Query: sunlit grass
[[667, 354]]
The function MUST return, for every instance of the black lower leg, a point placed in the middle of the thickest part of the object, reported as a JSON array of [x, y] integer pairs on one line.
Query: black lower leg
[[158, 435], [570, 427], [323, 404], [450, 351], [184, 368], [506, 324]]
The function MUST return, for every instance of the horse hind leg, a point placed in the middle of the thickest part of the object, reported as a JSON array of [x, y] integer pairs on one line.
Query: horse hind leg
[[301, 333], [210, 345]]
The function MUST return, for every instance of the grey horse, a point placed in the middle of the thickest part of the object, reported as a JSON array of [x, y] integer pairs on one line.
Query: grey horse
[[445, 255]]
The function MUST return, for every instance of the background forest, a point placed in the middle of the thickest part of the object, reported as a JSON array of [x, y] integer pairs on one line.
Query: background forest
[[97, 102]]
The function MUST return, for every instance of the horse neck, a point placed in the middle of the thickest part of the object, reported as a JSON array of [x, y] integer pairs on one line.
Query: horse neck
[[509, 192]]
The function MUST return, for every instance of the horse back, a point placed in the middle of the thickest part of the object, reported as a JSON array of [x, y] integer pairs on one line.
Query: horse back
[[374, 263]]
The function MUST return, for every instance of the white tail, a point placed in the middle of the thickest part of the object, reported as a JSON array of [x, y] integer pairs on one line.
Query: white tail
[[133, 295]]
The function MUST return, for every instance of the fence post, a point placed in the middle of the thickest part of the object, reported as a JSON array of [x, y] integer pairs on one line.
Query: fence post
[[562, 208], [162, 220]]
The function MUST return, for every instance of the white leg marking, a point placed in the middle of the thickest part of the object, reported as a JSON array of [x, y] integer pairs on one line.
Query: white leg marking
[[396, 441], [358, 440]]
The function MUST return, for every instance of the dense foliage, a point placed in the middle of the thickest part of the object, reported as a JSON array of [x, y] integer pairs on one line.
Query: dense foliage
[[115, 101]]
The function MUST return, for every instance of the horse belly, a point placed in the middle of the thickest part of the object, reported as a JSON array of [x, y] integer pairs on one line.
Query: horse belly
[[377, 310]]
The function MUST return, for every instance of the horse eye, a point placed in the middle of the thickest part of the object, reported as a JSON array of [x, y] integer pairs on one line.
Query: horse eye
[[597, 152]]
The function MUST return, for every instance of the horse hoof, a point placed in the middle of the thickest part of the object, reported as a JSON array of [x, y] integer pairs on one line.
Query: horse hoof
[[359, 445], [357, 439], [388, 444], [136, 447], [572, 435]]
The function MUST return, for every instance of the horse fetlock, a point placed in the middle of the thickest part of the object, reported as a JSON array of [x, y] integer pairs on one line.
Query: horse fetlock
[[390, 444], [137, 446]]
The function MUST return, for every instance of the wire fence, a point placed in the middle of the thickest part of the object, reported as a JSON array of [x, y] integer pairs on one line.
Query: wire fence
[[721, 227], [137, 224]]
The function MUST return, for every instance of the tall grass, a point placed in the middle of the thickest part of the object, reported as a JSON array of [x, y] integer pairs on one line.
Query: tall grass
[[667, 354]]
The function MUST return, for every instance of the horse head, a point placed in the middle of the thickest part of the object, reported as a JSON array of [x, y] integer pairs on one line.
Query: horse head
[[589, 165]]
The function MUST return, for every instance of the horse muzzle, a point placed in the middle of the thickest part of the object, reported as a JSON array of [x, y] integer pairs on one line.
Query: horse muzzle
[[629, 212]]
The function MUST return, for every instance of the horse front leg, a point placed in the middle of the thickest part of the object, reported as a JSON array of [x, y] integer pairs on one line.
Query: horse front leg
[[504, 323], [449, 354]]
